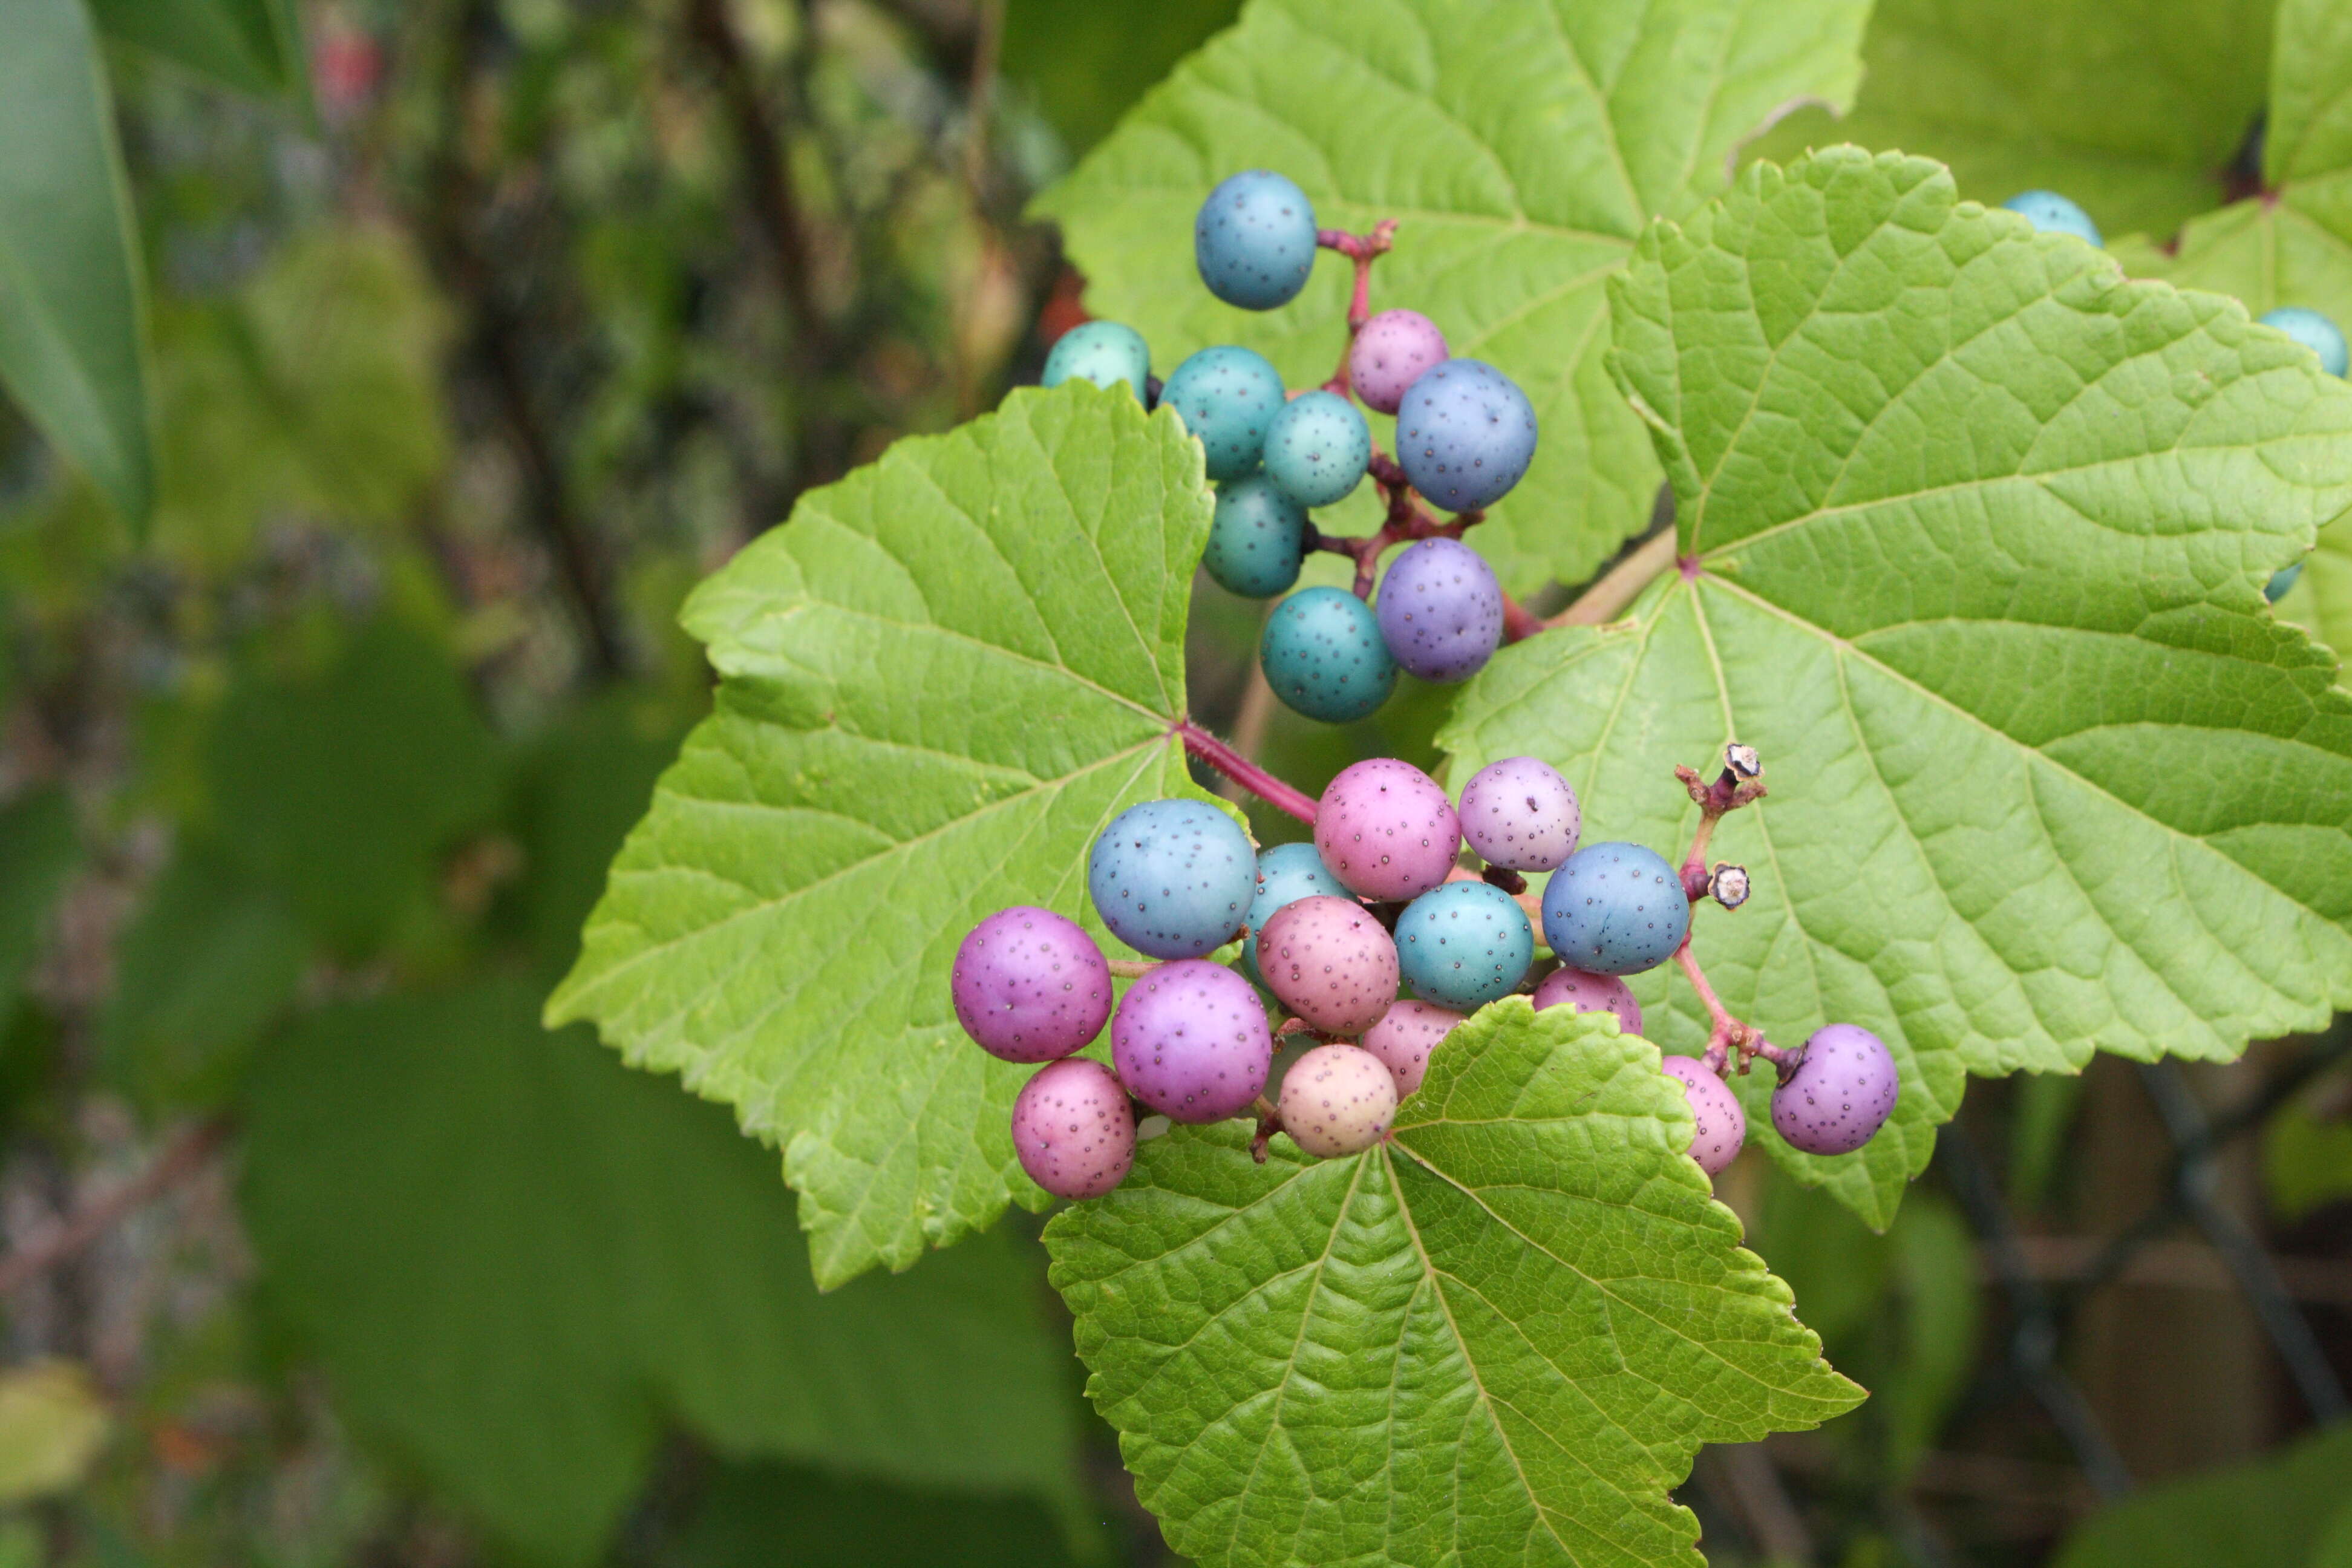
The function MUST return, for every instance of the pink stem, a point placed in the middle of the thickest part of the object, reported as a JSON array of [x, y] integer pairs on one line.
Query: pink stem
[[1360, 248], [1245, 773]]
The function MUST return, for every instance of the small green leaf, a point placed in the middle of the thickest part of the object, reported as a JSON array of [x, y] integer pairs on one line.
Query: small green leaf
[[254, 45], [1500, 1337], [940, 680], [1521, 147], [2275, 1512], [1977, 532], [72, 307], [2306, 1162], [38, 850]]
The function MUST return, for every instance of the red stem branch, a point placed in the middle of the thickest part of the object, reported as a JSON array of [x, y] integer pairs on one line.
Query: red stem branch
[[1361, 249], [1200, 743], [182, 1158]]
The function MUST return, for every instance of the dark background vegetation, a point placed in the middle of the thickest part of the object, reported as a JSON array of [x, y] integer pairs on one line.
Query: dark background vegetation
[[462, 379]]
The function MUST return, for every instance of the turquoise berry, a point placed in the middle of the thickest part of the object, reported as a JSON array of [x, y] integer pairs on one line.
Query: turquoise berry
[[1285, 874], [1323, 656], [1254, 240], [1227, 396], [2314, 332], [1257, 539], [2053, 214], [2281, 581], [1104, 353], [1463, 944], [1172, 877], [1317, 447]]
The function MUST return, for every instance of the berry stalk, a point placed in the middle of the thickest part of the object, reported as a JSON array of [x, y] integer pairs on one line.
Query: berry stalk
[[1361, 249], [1201, 743]]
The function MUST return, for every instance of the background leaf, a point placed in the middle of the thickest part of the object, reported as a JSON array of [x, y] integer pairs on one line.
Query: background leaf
[[2071, 790], [1501, 1338], [1522, 161], [2275, 1512], [939, 681], [254, 45], [1085, 62], [750, 1513], [38, 852]]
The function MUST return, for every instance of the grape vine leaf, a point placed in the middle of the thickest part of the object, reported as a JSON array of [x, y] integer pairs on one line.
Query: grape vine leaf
[[2134, 108], [1500, 1337], [254, 45], [1522, 148], [2281, 1511], [1976, 533], [939, 681], [518, 1262]]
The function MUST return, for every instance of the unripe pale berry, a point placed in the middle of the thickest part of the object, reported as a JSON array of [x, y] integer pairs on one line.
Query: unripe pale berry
[[1331, 962], [1388, 355], [1338, 1100], [1189, 1040], [1029, 986], [1386, 829], [1405, 1036], [1073, 1129], [1722, 1124], [1285, 874], [1583, 992], [1840, 1095], [1519, 814]]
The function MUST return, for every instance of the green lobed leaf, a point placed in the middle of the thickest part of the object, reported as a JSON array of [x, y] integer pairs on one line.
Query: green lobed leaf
[[2284, 1511], [1521, 147], [1977, 532], [518, 1261], [1500, 1337], [254, 45], [939, 681], [72, 306]]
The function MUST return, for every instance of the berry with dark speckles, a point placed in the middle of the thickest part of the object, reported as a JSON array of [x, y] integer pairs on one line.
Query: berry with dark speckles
[[1323, 656], [1189, 1040], [1104, 353], [1464, 433], [1331, 962], [1285, 874], [1074, 1130], [1388, 355], [1029, 986], [1386, 829], [1172, 879], [1405, 1036], [1227, 396], [1463, 944], [1338, 1100], [1254, 240], [1519, 814], [1257, 538], [1441, 610], [1582, 992], [1840, 1095], [1614, 909], [1317, 448], [1722, 1125]]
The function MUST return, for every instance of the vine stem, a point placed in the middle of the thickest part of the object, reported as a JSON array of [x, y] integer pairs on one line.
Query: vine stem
[[1619, 585], [1408, 521], [186, 1154], [1362, 249], [1201, 743]]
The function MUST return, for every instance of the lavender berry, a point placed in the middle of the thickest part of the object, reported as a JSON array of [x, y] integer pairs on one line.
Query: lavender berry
[[1029, 986], [1386, 829], [1331, 962], [1614, 909], [1464, 433], [1388, 355], [1463, 944], [1521, 814], [1441, 610], [1583, 992], [1189, 1040], [1074, 1130], [1405, 1036], [1338, 1100], [1254, 240], [1722, 1125], [1841, 1094], [1285, 874], [1172, 879]]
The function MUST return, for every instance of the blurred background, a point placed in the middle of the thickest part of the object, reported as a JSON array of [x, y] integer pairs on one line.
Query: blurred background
[[482, 329]]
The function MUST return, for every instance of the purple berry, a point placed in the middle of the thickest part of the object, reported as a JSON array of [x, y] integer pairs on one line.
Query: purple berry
[[1388, 355], [1722, 1125], [1386, 829], [1840, 1095], [1464, 433], [1331, 962], [1521, 815], [1074, 1130], [1189, 1040], [1338, 1100], [1405, 1036], [1029, 986], [1587, 993], [1441, 610]]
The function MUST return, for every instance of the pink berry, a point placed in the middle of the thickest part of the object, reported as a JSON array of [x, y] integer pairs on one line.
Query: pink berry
[[1074, 1130], [1189, 1040], [1337, 1100], [1520, 813], [1329, 962], [1388, 355], [1589, 992], [1386, 830], [1840, 1095], [1405, 1036], [1722, 1125], [1029, 986]]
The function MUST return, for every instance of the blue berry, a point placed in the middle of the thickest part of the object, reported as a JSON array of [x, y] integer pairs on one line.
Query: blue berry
[[1317, 447], [1615, 908], [1463, 944], [1441, 610], [2281, 581], [1172, 879], [1285, 874], [1104, 353], [1323, 656], [1254, 240], [1227, 396], [2053, 214], [1257, 539], [2314, 332], [1465, 434]]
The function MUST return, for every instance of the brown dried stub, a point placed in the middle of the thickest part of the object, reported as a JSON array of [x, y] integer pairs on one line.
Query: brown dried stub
[[1742, 760], [1728, 885]]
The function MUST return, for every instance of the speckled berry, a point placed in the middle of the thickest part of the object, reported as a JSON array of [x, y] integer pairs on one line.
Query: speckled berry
[[1172, 879], [1331, 962], [2314, 332], [1104, 353], [1317, 448], [1388, 355], [2281, 583], [1519, 814], [1074, 1130], [1189, 1040], [1386, 829], [1405, 1036], [1463, 944], [1722, 1125], [1614, 909], [2053, 214], [1227, 396], [1254, 240], [1464, 433], [1323, 656], [1441, 610], [1285, 874], [1257, 538], [1338, 1100], [1582, 991], [1029, 986], [1840, 1095]]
